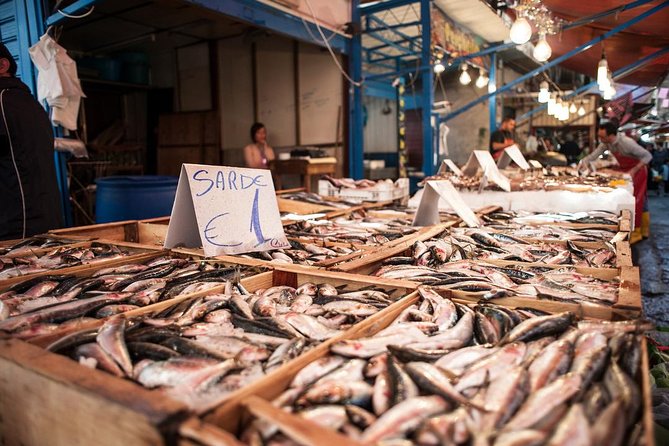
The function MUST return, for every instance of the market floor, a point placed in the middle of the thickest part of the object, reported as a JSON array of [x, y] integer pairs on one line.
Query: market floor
[[652, 256]]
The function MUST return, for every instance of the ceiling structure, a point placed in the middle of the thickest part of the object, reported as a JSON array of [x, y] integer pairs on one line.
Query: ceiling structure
[[622, 49]]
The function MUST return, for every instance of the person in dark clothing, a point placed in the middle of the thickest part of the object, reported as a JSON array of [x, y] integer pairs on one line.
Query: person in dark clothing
[[570, 149], [502, 138], [29, 196]]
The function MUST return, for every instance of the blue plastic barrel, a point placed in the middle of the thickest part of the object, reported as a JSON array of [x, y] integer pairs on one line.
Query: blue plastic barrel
[[134, 197]]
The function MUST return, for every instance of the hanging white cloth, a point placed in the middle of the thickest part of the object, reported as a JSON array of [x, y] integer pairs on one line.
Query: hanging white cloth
[[57, 81], [443, 139]]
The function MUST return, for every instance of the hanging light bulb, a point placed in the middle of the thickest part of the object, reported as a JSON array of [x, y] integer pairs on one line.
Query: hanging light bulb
[[609, 93], [581, 110], [564, 113], [551, 105], [482, 80], [544, 95], [521, 31], [603, 73], [557, 111], [465, 78], [542, 50], [572, 108], [439, 67]]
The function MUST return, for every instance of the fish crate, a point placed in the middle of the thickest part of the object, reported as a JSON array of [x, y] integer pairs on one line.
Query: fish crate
[[134, 253], [50, 399], [149, 234], [628, 305], [292, 277], [224, 425], [399, 192], [246, 271], [37, 385]]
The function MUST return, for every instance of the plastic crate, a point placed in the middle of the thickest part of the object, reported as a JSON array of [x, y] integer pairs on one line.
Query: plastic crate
[[400, 191]]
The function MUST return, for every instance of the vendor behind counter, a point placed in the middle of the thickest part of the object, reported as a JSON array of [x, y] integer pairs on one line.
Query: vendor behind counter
[[634, 160]]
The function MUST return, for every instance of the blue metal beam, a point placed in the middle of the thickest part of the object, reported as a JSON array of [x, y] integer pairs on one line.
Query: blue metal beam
[[391, 27], [616, 74], [383, 25], [356, 147], [75, 8], [429, 154], [380, 90], [384, 5], [393, 44], [558, 60], [380, 47], [265, 16], [568, 26]]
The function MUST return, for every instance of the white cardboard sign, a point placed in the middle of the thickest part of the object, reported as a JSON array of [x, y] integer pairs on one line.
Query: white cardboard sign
[[449, 164], [536, 164], [428, 209], [226, 210], [512, 153], [483, 159]]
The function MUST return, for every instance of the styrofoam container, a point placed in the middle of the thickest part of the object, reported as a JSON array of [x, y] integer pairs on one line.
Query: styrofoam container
[[399, 190]]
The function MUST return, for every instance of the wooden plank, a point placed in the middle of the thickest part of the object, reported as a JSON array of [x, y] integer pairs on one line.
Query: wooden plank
[[626, 223], [362, 265], [290, 191], [151, 233], [206, 434], [647, 396], [629, 295], [301, 207], [308, 434], [109, 231], [623, 254], [157, 220], [50, 399]]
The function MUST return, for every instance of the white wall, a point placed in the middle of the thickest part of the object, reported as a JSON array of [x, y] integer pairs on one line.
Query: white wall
[[380, 133], [319, 93]]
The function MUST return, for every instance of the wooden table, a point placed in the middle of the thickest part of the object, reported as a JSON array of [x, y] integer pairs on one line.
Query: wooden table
[[304, 167]]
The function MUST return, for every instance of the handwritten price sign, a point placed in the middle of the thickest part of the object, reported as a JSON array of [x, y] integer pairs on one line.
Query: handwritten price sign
[[226, 210]]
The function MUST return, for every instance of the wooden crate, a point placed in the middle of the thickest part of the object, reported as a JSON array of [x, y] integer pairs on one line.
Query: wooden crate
[[50, 399], [88, 270], [229, 417], [628, 305], [148, 234], [139, 256], [132, 394]]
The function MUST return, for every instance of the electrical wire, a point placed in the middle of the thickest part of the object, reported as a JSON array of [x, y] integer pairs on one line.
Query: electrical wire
[[327, 45], [70, 16], [16, 168]]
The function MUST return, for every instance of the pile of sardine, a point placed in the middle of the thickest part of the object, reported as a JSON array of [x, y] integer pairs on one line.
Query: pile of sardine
[[302, 253], [446, 374], [42, 305], [308, 197], [520, 219], [27, 245], [201, 350], [483, 244], [12, 265], [355, 228], [493, 281]]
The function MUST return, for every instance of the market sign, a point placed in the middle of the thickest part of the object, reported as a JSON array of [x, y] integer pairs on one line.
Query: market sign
[[427, 213], [225, 210], [448, 35]]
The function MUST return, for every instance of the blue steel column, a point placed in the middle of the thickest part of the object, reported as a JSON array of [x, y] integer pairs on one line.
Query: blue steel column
[[355, 139], [492, 86], [429, 161]]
